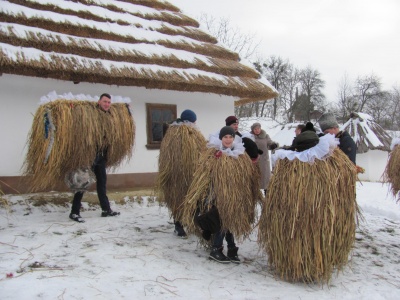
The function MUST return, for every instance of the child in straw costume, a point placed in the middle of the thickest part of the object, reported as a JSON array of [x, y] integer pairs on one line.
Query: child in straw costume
[[222, 197], [392, 170], [69, 136], [179, 154], [307, 225]]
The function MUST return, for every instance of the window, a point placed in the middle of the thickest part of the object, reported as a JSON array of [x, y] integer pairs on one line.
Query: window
[[157, 115]]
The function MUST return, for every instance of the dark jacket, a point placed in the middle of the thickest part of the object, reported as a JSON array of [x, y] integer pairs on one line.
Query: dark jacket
[[347, 145], [305, 140]]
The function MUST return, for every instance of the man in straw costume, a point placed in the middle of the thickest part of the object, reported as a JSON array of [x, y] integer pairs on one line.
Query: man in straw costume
[[70, 137], [392, 170], [222, 197], [179, 153], [99, 170], [307, 225]]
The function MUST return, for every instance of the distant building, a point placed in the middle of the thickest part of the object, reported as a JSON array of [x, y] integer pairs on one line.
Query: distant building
[[373, 145]]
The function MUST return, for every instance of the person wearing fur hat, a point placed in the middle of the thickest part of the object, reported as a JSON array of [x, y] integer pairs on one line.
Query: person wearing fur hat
[[179, 153], [264, 143], [328, 124]]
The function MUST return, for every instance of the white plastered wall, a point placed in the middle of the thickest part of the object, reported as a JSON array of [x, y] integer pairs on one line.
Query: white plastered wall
[[20, 97], [374, 163]]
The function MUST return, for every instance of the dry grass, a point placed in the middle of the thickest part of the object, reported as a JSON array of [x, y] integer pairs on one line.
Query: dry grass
[[232, 185], [179, 156], [80, 130], [392, 172], [307, 226]]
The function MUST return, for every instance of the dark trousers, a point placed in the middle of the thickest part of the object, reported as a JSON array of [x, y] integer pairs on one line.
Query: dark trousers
[[219, 239], [99, 169]]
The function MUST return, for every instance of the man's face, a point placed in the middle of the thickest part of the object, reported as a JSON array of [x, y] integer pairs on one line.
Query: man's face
[[297, 131], [235, 126], [104, 103], [333, 130], [227, 141]]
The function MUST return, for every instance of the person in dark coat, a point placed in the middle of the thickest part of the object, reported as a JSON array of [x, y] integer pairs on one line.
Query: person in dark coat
[[307, 139], [328, 124]]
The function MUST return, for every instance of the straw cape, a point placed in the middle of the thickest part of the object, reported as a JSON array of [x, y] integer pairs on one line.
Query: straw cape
[[231, 184], [66, 135], [179, 156], [126, 43], [307, 225], [392, 170]]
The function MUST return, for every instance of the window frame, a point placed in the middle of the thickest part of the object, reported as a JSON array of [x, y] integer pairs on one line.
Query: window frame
[[151, 144]]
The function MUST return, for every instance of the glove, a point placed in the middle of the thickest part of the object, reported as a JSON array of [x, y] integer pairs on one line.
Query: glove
[[251, 147], [273, 146]]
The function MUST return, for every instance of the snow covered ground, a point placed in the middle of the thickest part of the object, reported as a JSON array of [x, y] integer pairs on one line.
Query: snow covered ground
[[44, 255]]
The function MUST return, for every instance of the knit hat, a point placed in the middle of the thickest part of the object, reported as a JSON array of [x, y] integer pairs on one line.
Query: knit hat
[[309, 127], [327, 120], [226, 130], [188, 115], [255, 125], [230, 120]]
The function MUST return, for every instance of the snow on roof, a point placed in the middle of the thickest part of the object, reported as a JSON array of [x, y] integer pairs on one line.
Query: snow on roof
[[132, 43], [366, 133], [53, 96]]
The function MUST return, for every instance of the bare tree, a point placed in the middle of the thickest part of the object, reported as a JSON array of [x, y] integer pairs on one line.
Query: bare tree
[[346, 100], [275, 69], [311, 94], [367, 88], [245, 44], [394, 112]]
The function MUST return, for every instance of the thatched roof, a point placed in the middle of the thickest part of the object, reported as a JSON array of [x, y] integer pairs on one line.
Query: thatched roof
[[366, 133], [144, 43]]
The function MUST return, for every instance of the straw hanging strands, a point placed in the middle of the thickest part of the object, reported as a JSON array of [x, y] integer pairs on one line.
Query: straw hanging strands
[[231, 184], [392, 172], [66, 135], [179, 155], [307, 225]]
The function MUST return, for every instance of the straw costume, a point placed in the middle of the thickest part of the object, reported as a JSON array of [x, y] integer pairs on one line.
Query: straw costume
[[307, 226], [68, 134], [223, 194], [179, 155], [392, 170]]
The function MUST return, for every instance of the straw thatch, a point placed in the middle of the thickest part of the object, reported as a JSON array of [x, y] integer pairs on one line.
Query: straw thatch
[[307, 225], [179, 155], [128, 43], [231, 184], [392, 172], [66, 135], [366, 133]]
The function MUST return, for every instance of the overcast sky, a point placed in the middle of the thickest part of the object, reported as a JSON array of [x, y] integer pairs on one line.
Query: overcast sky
[[357, 37]]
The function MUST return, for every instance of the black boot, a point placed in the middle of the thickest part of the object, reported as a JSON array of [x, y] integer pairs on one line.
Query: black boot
[[217, 255], [179, 231], [109, 213], [232, 255]]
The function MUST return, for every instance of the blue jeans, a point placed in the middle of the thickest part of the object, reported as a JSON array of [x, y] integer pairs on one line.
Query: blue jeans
[[219, 239]]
